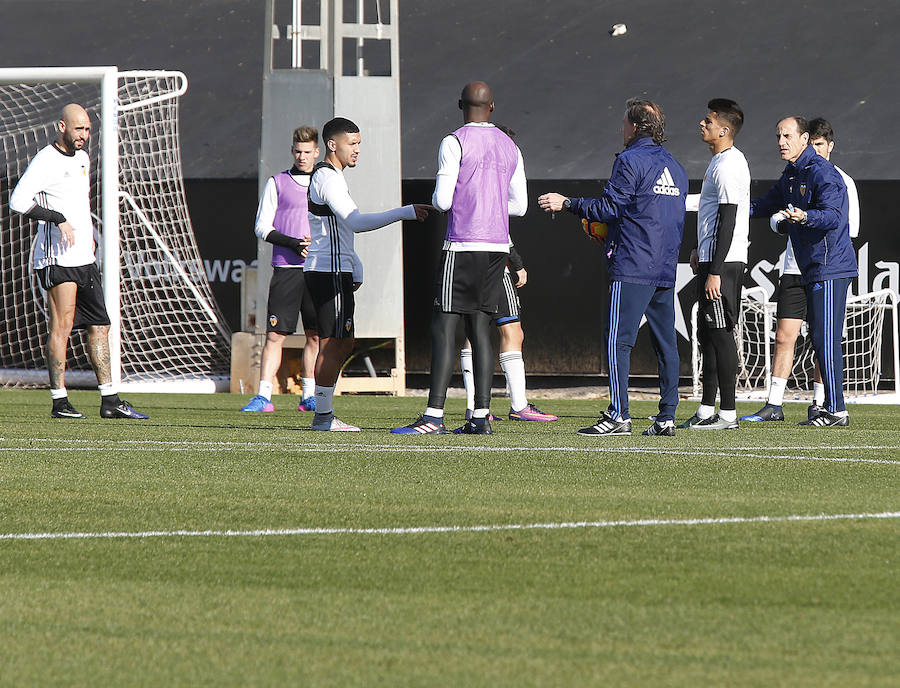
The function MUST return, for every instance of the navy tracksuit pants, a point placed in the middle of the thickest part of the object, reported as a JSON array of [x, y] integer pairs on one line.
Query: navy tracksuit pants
[[628, 303], [826, 302]]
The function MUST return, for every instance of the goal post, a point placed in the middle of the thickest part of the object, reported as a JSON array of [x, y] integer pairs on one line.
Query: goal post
[[863, 341], [166, 333]]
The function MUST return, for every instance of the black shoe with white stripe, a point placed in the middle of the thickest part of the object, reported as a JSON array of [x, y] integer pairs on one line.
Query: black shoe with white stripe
[[607, 425], [423, 425], [63, 409], [664, 429], [827, 420]]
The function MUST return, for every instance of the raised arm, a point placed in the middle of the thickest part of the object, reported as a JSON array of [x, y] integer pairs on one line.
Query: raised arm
[[335, 194]]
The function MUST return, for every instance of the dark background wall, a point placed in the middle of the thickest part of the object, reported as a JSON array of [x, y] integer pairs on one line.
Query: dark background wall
[[559, 80]]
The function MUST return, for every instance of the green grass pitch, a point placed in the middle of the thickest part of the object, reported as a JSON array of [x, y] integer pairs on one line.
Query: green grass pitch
[[405, 561]]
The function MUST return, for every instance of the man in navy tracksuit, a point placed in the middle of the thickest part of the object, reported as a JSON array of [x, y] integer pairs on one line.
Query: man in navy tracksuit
[[810, 204], [643, 205]]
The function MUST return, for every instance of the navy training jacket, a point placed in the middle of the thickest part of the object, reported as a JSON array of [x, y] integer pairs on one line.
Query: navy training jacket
[[643, 205], [822, 246]]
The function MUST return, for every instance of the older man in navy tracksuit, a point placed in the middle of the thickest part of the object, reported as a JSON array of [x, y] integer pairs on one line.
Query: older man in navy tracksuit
[[809, 202], [643, 205]]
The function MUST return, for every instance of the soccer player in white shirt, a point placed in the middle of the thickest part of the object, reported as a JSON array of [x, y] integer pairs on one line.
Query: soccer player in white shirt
[[332, 270], [55, 191], [791, 310], [719, 261]]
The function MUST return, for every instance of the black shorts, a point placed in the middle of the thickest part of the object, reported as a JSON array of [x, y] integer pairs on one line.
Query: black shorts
[[90, 306], [332, 297], [508, 307], [723, 313], [288, 299], [791, 297], [469, 281]]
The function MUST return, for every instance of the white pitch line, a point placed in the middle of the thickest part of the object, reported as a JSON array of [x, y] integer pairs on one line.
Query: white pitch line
[[430, 530], [731, 452], [404, 447]]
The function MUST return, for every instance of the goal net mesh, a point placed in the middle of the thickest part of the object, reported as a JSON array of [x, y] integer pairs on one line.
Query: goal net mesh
[[755, 337], [171, 326]]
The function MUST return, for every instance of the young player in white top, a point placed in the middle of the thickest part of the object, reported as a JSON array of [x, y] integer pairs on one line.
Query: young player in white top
[[792, 297], [332, 269], [719, 261], [55, 191]]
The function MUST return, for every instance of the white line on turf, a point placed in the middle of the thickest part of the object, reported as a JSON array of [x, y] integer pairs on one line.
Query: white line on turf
[[731, 452], [427, 530]]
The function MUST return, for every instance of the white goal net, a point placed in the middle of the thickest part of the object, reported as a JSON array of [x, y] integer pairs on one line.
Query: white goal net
[[755, 336], [167, 328]]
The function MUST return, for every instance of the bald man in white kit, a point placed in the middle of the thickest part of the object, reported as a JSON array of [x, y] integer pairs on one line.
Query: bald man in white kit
[[55, 191]]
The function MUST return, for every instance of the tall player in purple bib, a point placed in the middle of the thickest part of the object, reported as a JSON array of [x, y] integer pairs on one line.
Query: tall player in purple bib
[[282, 221], [481, 182]]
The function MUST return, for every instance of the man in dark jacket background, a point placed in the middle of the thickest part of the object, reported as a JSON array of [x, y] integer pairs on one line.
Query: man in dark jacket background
[[643, 206], [809, 202]]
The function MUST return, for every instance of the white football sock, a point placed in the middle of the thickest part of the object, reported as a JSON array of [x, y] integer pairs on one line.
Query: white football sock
[[309, 386], [480, 413], [60, 393], [265, 390], [704, 411], [108, 389], [513, 366], [818, 393], [728, 415], [776, 391], [434, 412], [324, 399], [468, 376]]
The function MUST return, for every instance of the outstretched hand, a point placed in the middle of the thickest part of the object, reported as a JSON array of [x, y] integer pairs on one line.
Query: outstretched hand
[[551, 202], [422, 210]]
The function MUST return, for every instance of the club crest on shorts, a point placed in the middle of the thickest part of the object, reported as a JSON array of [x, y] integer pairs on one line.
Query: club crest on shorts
[[273, 320], [348, 325]]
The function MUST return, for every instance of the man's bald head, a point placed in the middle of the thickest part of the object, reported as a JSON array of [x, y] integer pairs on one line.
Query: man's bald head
[[74, 128], [476, 101]]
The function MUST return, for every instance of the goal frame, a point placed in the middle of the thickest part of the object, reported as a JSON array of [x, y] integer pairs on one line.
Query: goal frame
[[760, 295], [108, 78], [112, 193]]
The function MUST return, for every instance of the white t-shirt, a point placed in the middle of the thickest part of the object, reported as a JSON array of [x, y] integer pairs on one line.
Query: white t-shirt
[[331, 249], [789, 267], [62, 183], [727, 180]]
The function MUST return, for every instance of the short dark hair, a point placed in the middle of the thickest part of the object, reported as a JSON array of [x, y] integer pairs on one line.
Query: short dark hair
[[820, 128], [728, 111], [648, 117], [306, 134], [802, 123], [339, 125]]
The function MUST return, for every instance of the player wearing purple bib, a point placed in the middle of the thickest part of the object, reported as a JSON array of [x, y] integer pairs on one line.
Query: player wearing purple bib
[[282, 221], [481, 182]]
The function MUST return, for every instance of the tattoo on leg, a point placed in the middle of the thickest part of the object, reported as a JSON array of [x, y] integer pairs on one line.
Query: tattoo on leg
[[98, 352], [57, 370]]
